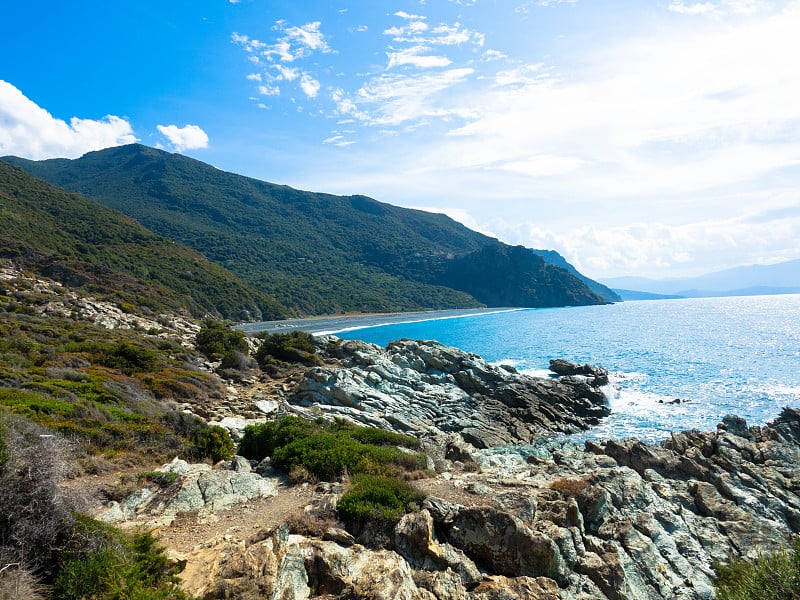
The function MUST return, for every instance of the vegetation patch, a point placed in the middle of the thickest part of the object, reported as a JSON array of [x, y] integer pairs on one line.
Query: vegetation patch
[[104, 388], [377, 498], [102, 562], [212, 442], [295, 346], [771, 577], [330, 450], [216, 340]]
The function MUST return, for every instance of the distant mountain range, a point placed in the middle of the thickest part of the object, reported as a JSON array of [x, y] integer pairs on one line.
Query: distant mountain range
[[780, 278], [308, 253]]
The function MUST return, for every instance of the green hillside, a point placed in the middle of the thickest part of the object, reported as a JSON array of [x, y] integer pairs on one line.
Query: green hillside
[[317, 253], [82, 244]]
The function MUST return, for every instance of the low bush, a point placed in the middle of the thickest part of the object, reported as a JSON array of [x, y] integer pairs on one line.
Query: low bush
[[328, 451], [376, 497], [381, 437], [260, 441], [216, 339], [213, 442], [102, 562], [238, 361], [771, 577], [130, 359], [295, 346]]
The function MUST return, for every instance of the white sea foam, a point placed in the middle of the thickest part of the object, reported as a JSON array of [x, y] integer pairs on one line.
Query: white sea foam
[[544, 373]]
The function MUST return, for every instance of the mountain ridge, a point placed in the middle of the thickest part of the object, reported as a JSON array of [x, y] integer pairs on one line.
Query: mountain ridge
[[746, 280], [318, 253], [82, 244]]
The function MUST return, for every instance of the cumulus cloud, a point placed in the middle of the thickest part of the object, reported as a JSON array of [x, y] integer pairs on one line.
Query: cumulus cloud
[[30, 131], [269, 90], [309, 85], [188, 137]]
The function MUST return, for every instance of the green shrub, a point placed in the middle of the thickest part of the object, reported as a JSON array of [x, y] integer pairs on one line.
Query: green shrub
[[376, 497], [295, 346], [381, 437], [238, 361], [130, 359], [772, 577], [260, 441], [328, 451], [213, 442], [216, 339], [102, 562]]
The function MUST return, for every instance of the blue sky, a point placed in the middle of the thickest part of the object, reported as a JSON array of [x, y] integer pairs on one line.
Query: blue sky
[[636, 138]]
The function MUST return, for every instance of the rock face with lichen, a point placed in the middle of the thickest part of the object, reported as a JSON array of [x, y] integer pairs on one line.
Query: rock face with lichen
[[609, 521], [425, 388]]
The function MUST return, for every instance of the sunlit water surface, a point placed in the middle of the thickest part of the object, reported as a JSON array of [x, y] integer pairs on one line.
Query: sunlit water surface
[[719, 356]]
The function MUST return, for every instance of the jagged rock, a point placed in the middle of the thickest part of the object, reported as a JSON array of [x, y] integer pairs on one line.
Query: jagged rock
[[198, 487], [414, 538], [425, 389], [576, 525], [597, 375], [502, 543], [516, 588]]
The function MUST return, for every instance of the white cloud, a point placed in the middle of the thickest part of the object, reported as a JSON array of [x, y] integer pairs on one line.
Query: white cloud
[[309, 85], [698, 8], [404, 15], [286, 73], [338, 140], [681, 112], [308, 36], [716, 9], [413, 56], [30, 131], [402, 99], [543, 165], [269, 90], [490, 55], [655, 248], [188, 137]]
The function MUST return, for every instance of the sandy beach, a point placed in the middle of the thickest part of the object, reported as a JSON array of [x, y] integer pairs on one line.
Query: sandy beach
[[331, 324]]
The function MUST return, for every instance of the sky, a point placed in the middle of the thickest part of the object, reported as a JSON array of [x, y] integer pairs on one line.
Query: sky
[[650, 138]]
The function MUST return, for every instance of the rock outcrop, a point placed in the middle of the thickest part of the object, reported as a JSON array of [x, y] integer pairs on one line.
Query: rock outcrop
[[197, 487], [610, 521], [425, 389]]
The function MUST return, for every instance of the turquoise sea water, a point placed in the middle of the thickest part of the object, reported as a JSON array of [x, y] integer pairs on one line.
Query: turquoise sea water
[[719, 356]]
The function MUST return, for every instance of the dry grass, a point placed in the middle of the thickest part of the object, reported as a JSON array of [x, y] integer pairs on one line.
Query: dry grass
[[19, 584], [570, 487], [310, 524]]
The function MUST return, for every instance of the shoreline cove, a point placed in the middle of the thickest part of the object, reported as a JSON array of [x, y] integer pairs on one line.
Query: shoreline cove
[[335, 324]]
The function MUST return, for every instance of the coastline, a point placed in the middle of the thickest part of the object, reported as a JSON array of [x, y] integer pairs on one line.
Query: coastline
[[333, 324]]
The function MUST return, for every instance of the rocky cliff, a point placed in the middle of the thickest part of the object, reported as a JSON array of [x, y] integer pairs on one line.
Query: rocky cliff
[[612, 520], [617, 520], [426, 389]]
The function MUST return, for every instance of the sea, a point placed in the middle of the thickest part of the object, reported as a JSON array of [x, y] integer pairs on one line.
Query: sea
[[675, 364]]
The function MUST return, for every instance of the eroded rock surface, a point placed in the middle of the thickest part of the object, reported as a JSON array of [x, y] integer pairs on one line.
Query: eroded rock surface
[[617, 520], [197, 487], [425, 389]]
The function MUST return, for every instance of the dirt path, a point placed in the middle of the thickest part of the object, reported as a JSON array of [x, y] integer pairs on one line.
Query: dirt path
[[190, 531]]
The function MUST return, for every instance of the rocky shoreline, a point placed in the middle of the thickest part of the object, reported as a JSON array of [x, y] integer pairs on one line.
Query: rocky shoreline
[[612, 520]]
